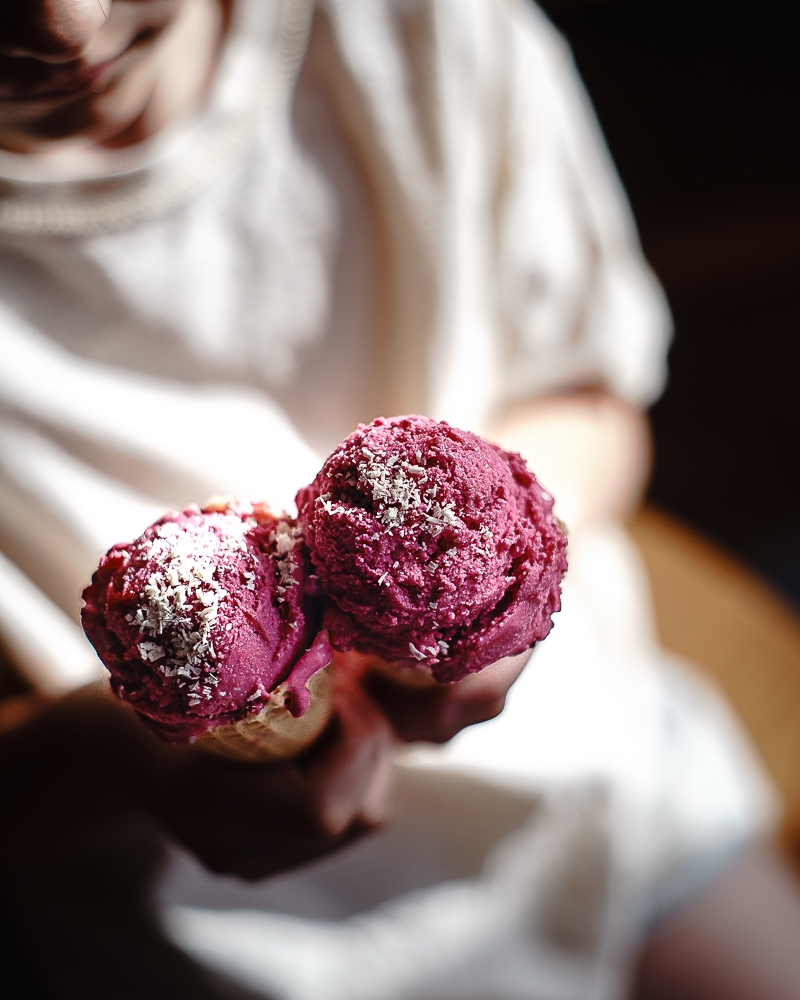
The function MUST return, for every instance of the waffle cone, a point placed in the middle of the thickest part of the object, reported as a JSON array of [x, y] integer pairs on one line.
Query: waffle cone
[[275, 734]]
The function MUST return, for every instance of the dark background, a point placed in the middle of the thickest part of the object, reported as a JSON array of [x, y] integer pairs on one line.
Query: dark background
[[699, 104]]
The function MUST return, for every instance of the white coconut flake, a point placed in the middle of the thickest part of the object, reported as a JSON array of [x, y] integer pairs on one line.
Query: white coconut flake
[[151, 651], [415, 652], [285, 538], [329, 506]]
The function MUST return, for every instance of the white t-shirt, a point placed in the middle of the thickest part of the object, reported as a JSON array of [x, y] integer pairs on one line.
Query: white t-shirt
[[387, 206]]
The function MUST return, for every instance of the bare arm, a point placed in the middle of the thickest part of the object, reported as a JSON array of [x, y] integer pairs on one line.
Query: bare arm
[[590, 450]]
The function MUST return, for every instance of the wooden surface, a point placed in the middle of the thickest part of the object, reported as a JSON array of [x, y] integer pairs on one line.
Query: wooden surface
[[714, 611]]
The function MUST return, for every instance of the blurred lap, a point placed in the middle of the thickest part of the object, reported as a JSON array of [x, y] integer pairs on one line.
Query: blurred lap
[[81, 858], [737, 940]]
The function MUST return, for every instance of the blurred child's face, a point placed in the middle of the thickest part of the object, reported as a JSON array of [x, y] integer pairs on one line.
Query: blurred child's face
[[89, 68]]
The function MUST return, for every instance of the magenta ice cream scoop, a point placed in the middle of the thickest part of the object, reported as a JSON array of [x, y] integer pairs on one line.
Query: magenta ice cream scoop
[[435, 548], [203, 615]]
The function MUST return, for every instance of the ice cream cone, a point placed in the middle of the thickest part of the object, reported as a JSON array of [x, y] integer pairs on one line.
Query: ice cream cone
[[275, 734]]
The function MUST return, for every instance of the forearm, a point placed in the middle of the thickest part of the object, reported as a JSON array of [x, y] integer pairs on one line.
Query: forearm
[[590, 450]]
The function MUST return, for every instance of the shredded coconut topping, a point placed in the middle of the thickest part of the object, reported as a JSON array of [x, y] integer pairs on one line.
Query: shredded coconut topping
[[151, 651], [396, 487], [440, 649], [329, 505], [393, 489], [285, 538], [181, 600]]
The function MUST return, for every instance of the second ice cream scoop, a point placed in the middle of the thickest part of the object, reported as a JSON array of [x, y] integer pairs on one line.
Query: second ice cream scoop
[[437, 549]]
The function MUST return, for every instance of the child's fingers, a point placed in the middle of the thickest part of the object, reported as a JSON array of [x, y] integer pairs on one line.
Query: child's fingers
[[349, 779], [436, 714]]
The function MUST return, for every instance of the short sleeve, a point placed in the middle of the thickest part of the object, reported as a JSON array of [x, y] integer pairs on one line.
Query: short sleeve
[[577, 302]]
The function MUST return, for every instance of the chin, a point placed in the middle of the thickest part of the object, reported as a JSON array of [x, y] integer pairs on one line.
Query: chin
[[99, 118]]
